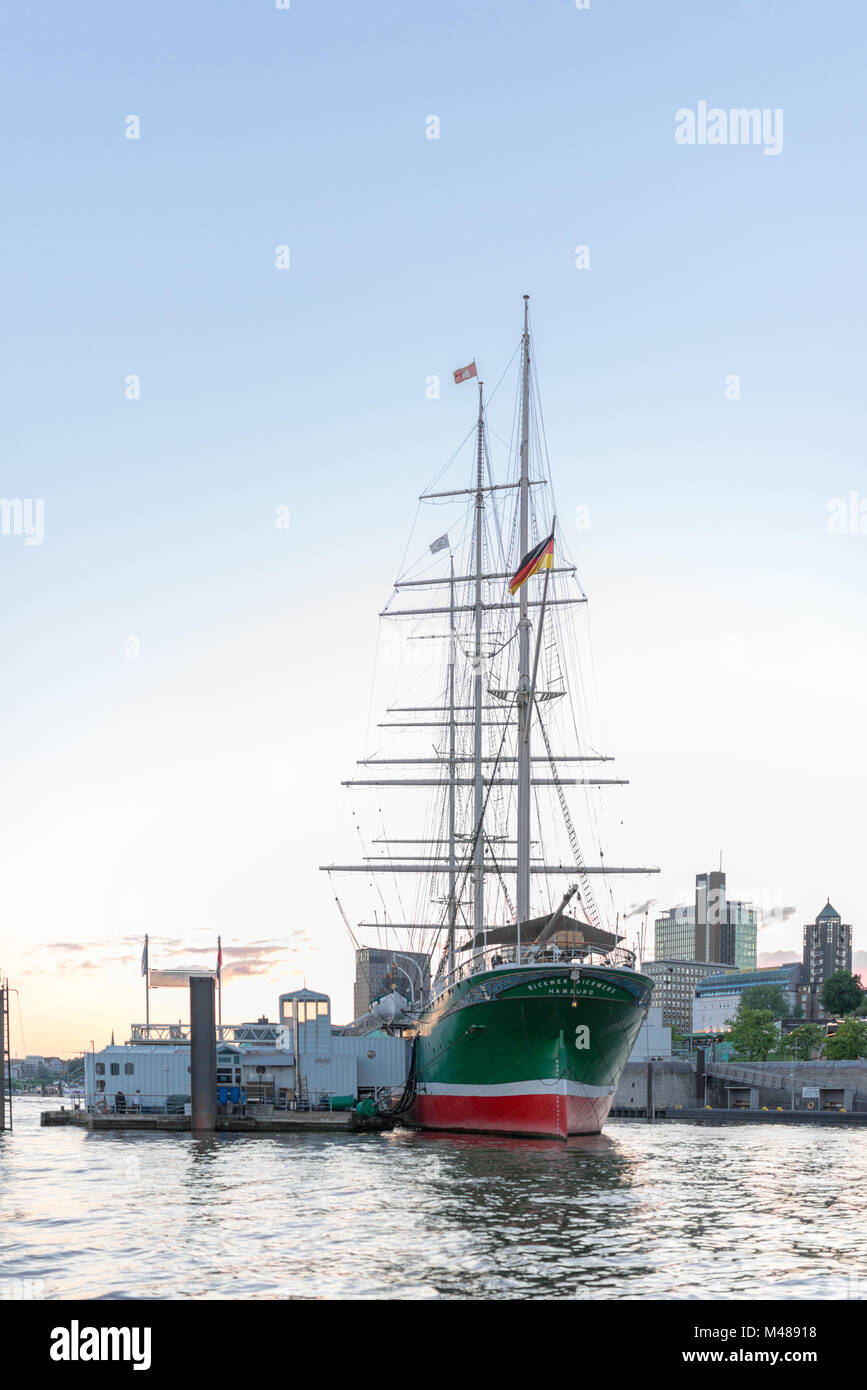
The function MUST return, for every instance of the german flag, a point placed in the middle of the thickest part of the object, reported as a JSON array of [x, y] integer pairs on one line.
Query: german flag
[[541, 557]]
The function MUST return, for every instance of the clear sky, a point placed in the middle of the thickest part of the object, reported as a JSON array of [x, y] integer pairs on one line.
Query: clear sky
[[184, 682]]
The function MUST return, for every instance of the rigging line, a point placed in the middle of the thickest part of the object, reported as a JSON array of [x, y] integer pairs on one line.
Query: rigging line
[[409, 538], [505, 371], [433, 565], [390, 856], [449, 461], [586, 891], [374, 877], [590, 802], [492, 856], [353, 938], [469, 854]]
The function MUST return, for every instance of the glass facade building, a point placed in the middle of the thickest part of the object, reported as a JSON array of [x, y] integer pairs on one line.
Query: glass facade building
[[379, 970], [713, 928], [674, 986]]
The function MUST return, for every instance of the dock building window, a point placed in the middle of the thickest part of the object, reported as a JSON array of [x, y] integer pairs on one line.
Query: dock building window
[[100, 1068], [129, 1069], [115, 1068]]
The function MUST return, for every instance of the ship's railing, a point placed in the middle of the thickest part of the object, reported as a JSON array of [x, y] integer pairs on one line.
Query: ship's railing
[[496, 956]]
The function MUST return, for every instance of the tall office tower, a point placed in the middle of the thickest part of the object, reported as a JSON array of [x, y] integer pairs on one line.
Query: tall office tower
[[827, 948], [379, 970], [715, 928]]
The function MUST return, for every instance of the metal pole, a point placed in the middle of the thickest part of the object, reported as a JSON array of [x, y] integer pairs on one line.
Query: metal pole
[[409, 978], [203, 1054], [147, 983], [2, 1058], [219, 983], [478, 785], [416, 966], [650, 1090], [523, 847], [453, 907]]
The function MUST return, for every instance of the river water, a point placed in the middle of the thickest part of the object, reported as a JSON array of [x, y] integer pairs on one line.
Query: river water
[[669, 1210]]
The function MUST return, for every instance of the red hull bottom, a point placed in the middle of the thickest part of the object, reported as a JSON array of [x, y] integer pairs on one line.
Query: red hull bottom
[[551, 1116]]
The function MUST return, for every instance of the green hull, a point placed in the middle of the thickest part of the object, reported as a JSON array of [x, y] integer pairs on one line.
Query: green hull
[[530, 1049]]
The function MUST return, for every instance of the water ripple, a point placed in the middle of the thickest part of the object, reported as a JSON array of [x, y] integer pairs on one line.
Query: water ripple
[[644, 1211]]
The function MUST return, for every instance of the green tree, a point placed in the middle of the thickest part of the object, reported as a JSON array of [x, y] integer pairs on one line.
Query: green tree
[[804, 1040], [841, 993], [849, 1042], [768, 997], [753, 1032]]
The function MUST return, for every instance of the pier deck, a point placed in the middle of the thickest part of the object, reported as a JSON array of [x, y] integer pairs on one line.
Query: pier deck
[[297, 1121]]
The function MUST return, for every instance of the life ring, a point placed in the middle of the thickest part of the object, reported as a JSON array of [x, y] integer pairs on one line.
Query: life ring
[[811, 1105]]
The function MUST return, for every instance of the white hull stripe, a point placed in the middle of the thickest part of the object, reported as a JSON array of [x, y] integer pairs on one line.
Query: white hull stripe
[[545, 1087]]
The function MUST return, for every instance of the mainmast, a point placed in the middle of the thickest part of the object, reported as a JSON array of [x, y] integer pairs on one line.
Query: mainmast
[[524, 712], [478, 784], [453, 907]]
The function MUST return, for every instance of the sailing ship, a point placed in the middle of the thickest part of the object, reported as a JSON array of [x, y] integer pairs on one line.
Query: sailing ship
[[527, 1013]]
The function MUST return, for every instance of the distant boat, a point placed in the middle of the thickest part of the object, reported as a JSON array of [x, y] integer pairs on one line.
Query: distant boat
[[529, 1020]]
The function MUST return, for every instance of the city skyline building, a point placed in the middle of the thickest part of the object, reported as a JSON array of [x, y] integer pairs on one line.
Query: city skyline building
[[379, 969], [718, 997], [674, 985], [713, 928], [827, 948]]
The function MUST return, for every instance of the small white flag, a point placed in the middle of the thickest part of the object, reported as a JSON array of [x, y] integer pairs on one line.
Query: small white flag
[[441, 544]]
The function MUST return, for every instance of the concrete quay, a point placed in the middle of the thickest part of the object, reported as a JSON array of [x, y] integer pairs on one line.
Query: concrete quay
[[825, 1119], [675, 1088]]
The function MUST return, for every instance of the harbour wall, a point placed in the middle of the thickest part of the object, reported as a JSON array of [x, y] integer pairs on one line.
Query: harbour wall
[[673, 1084], [681, 1084]]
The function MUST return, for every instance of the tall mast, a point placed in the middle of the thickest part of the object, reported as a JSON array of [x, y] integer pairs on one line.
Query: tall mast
[[478, 784], [453, 907], [524, 712]]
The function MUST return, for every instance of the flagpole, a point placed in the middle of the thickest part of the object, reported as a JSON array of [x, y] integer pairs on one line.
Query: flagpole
[[220, 981], [147, 981]]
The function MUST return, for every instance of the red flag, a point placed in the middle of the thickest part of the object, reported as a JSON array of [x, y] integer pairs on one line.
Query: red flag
[[464, 373], [219, 957]]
